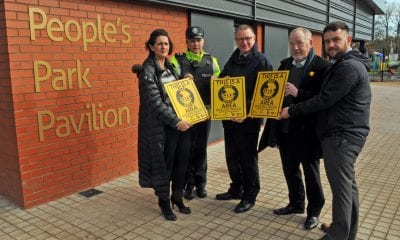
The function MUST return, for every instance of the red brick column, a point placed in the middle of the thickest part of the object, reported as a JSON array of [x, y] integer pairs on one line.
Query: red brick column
[[10, 177], [317, 43]]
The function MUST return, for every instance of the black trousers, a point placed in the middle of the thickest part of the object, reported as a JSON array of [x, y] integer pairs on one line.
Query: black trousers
[[340, 154], [242, 161], [292, 156], [177, 150], [197, 170]]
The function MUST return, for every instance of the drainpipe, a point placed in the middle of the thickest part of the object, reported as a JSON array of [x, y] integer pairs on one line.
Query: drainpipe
[[328, 12], [255, 10], [354, 18]]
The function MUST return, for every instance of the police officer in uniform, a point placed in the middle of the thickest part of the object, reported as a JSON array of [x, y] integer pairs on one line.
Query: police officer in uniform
[[200, 66]]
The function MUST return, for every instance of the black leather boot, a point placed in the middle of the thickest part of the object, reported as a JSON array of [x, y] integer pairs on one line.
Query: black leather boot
[[166, 209], [201, 192], [182, 208]]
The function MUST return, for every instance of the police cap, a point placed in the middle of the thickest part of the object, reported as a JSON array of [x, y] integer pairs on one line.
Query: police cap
[[194, 32]]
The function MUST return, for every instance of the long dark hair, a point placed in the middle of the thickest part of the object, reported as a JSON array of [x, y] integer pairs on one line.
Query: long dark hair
[[153, 37]]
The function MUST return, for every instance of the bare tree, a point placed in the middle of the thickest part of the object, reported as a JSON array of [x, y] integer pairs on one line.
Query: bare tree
[[396, 20], [384, 22]]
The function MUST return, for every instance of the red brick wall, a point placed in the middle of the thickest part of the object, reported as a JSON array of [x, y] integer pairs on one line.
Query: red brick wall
[[259, 33], [71, 154], [10, 179], [317, 43]]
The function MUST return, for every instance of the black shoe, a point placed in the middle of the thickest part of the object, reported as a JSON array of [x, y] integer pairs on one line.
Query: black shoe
[[288, 210], [311, 222], [243, 206], [325, 227], [189, 194], [182, 208], [166, 210], [201, 192], [228, 196]]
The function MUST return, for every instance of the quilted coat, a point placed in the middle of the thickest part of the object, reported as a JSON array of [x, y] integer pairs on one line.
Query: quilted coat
[[155, 114]]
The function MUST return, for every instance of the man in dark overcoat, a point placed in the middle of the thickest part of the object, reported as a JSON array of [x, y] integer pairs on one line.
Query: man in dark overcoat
[[296, 137]]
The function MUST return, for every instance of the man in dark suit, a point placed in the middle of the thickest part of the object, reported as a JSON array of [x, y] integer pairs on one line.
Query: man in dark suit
[[241, 135], [296, 138]]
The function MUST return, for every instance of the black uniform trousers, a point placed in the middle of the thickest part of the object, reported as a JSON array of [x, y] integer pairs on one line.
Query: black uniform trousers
[[291, 157], [242, 161], [340, 157], [197, 170], [177, 150]]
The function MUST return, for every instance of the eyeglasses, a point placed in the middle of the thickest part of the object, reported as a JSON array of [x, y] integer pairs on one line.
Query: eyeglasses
[[247, 39]]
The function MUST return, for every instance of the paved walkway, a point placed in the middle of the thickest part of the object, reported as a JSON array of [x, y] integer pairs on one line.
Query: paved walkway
[[126, 211]]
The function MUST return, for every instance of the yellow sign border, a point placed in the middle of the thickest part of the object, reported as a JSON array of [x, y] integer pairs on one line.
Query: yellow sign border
[[258, 103], [240, 102], [182, 112]]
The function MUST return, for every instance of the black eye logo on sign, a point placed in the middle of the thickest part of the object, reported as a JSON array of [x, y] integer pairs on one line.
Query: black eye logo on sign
[[185, 97], [269, 89], [228, 94]]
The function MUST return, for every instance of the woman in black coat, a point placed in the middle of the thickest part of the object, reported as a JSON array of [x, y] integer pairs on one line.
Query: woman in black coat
[[163, 140]]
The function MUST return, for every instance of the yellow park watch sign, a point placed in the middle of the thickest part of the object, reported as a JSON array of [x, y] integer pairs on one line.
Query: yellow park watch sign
[[186, 100], [268, 94], [228, 99]]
